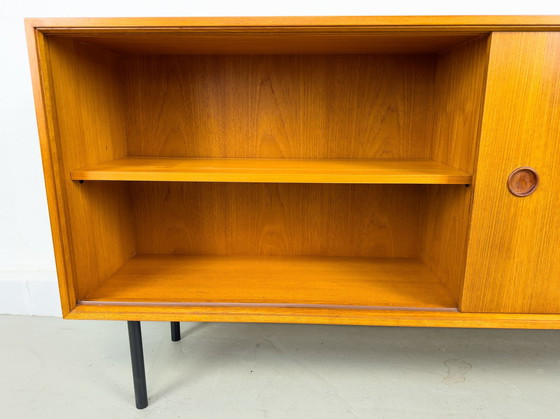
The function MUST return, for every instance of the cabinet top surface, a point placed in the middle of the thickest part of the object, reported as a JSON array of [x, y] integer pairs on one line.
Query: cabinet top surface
[[534, 22]]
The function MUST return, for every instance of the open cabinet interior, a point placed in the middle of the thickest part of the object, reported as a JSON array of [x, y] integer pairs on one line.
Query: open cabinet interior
[[268, 170]]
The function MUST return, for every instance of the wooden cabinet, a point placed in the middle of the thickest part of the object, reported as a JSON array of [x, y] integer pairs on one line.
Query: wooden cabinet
[[303, 170], [342, 170], [514, 254]]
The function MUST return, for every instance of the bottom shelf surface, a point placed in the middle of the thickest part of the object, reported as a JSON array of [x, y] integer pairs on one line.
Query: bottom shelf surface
[[274, 281]]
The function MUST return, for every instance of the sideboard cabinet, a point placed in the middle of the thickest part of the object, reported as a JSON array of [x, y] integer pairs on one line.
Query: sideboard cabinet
[[337, 170]]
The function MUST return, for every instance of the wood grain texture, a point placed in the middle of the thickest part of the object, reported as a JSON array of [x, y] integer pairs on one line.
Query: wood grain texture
[[274, 281], [42, 92], [459, 97], [274, 170], [89, 128], [406, 318], [277, 219], [514, 259], [331, 99], [293, 41], [388, 23], [290, 106]]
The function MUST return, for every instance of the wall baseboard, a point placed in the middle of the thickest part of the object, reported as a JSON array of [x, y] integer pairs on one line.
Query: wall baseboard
[[33, 293]]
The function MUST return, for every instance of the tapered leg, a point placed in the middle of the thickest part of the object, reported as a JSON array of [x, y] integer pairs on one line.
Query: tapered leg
[[138, 371], [175, 331]]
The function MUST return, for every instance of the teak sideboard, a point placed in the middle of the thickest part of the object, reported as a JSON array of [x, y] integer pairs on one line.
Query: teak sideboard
[[338, 170]]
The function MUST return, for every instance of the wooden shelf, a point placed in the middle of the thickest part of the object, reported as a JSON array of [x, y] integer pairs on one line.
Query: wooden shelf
[[173, 169], [276, 281]]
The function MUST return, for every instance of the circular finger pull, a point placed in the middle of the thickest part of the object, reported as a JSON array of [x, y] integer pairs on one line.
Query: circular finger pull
[[523, 181]]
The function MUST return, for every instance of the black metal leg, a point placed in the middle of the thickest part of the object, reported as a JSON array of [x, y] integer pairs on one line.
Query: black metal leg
[[175, 331], [137, 357]]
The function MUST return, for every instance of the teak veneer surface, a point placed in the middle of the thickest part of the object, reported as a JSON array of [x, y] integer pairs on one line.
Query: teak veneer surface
[[86, 118], [274, 170], [280, 106], [259, 314], [319, 88], [459, 98], [514, 249], [277, 219], [276, 42], [274, 281], [173, 24]]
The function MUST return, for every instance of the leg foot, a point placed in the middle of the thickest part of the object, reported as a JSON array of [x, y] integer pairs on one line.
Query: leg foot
[[175, 331], [137, 357]]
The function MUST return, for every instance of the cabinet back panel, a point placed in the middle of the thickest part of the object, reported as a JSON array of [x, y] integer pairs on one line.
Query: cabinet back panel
[[277, 219], [280, 106]]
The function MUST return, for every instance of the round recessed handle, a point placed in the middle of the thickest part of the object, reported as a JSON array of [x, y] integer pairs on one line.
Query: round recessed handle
[[523, 181]]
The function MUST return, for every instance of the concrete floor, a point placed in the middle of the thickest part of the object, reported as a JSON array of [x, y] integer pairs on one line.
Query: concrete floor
[[53, 368]]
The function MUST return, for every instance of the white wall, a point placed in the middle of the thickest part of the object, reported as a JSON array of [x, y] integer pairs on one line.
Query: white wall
[[27, 273]]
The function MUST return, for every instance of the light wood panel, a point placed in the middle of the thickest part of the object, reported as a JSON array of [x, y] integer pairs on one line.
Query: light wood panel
[[89, 128], [277, 219], [287, 106], [42, 92], [391, 317], [343, 23], [459, 97], [216, 41], [274, 281], [514, 258], [274, 170]]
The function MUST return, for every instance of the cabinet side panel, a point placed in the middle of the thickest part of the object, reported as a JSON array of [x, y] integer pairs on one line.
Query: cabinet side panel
[[42, 92], [513, 260], [89, 124], [277, 219], [460, 82], [280, 106]]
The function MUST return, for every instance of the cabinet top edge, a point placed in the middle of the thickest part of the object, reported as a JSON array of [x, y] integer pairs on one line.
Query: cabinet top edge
[[448, 23]]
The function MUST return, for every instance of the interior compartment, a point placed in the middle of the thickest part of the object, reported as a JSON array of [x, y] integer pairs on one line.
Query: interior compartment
[[230, 242], [276, 244]]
